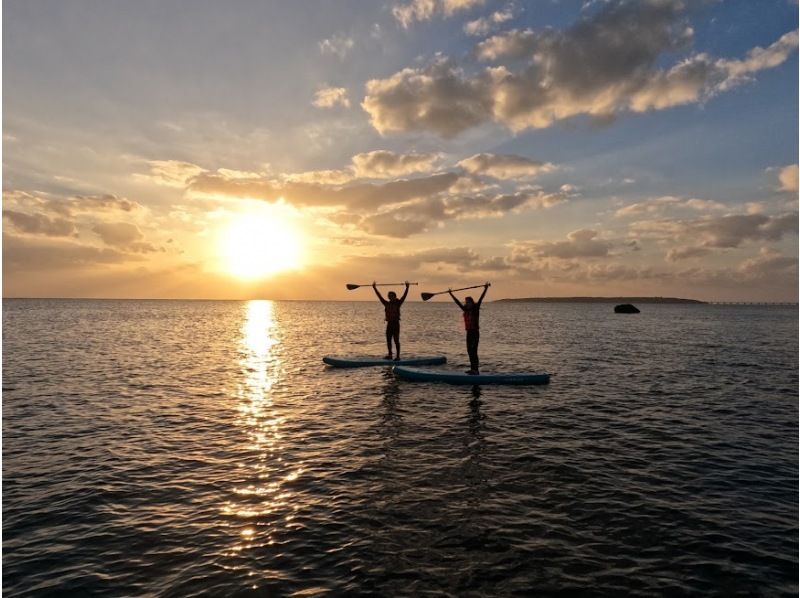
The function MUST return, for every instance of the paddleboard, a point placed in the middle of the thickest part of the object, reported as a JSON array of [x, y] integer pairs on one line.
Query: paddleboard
[[360, 362], [451, 377]]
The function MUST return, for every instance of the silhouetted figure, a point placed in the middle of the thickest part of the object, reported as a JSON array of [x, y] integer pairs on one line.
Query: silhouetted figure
[[392, 307], [471, 311]]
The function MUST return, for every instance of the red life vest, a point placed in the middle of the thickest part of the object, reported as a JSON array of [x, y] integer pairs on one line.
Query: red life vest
[[392, 311], [471, 318]]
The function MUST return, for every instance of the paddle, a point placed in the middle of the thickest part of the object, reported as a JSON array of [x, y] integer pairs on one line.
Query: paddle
[[426, 296], [352, 287]]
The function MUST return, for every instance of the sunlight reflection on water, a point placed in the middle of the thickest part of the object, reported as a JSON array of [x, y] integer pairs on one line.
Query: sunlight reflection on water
[[259, 501]]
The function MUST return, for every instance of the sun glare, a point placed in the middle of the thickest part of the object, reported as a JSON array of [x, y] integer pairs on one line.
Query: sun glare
[[260, 243]]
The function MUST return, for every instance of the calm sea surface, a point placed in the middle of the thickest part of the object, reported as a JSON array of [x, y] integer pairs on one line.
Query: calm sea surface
[[182, 448]]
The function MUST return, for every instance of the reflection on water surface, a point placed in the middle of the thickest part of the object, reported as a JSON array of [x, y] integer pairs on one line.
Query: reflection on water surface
[[262, 501]]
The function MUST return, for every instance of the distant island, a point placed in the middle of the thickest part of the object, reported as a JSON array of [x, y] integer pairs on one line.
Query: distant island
[[600, 300]]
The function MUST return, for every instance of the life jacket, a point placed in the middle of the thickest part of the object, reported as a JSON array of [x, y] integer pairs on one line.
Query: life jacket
[[393, 311], [471, 317]]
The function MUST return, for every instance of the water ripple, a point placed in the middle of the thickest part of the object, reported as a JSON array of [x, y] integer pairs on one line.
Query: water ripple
[[200, 449]]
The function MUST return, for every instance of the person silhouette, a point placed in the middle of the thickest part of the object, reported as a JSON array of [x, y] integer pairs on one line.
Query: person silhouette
[[392, 309], [471, 309]]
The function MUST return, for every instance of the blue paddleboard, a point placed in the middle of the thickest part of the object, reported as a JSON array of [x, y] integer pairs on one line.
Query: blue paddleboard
[[421, 375], [360, 362]]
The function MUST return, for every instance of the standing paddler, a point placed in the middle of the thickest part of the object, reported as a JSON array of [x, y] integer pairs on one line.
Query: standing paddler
[[471, 309], [392, 308]]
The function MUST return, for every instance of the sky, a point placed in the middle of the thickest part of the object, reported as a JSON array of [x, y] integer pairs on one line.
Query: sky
[[278, 150]]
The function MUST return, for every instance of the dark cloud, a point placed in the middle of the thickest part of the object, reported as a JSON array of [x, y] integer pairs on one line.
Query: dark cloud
[[26, 254], [438, 98], [420, 216], [69, 206], [723, 232], [122, 235], [39, 224]]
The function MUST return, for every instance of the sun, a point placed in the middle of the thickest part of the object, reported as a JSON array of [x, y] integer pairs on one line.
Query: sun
[[259, 243]]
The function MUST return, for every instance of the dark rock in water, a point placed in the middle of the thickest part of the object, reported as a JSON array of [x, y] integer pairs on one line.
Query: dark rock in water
[[625, 308]]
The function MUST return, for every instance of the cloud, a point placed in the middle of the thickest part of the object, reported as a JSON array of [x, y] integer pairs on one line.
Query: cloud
[[375, 165], [122, 235], [357, 196], [660, 204], [39, 224], [440, 264], [170, 173], [323, 177], [788, 178], [438, 98], [582, 243], [383, 163], [338, 45], [484, 25], [398, 207], [769, 263], [94, 203], [723, 232], [424, 10], [607, 63], [329, 97], [68, 206], [26, 254], [506, 166], [686, 252], [424, 214]]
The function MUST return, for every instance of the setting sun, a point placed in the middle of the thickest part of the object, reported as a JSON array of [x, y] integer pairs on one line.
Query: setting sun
[[260, 243]]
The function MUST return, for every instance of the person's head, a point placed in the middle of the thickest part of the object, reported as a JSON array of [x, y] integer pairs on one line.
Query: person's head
[[469, 300], [392, 295]]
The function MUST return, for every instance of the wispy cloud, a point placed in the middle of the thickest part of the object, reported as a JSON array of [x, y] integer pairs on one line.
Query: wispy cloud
[[504, 166], [483, 25], [338, 45], [660, 204], [170, 173], [424, 10], [383, 163], [329, 97]]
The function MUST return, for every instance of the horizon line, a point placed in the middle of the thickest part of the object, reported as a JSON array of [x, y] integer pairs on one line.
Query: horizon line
[[531, 299]]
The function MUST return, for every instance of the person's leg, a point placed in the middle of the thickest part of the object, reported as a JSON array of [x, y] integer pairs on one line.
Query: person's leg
[[397, 341], [388, 340], [475, 350], [472, 349]]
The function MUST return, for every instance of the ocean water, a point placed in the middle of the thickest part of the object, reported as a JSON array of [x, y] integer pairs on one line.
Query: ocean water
[[193, 448]]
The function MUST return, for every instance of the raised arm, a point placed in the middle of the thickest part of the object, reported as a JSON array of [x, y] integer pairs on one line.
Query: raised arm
[[378, 293], [405, 293], [485, 288], [461, 305]]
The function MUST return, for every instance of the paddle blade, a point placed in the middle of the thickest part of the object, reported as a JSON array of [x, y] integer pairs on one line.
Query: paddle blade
[[351, 287], [426, 296]]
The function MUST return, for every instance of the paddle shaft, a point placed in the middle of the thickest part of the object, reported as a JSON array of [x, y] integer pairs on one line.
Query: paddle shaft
[[426, 296], [352, 287]]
